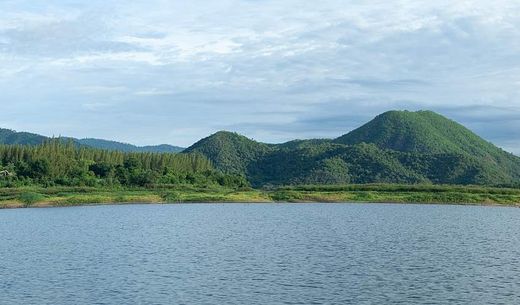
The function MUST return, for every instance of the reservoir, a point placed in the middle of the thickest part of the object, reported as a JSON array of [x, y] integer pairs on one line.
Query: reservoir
[[260, 254]]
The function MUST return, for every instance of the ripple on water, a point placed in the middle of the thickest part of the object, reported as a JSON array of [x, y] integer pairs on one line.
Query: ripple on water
[[260, 254]]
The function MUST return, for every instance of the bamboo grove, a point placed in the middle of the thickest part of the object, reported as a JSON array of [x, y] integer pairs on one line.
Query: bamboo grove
[[59, 162]]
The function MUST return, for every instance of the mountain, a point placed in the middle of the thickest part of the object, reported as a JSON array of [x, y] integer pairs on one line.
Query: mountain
[[11, 137], [113, 145], [230, 152], [395, 147], [421, 131], [427, 132]]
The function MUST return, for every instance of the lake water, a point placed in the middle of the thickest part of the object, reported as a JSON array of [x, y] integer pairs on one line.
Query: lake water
[[260, 254]]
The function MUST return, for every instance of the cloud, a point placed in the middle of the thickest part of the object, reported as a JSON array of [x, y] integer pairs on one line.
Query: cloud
[[95, 106], [173, 71]]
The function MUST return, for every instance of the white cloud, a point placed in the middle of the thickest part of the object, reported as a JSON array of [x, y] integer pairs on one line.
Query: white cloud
[[95, 106], [154, 91], [170, 64], [96, 89]]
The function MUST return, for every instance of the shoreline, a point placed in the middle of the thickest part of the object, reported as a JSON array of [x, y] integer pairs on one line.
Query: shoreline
[[40, 197], [98, 204], [47, 205]]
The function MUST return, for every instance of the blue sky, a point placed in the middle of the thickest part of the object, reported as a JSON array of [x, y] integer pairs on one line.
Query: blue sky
[[158, 71]]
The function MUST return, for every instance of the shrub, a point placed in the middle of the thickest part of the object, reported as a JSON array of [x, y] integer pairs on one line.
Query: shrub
[[30, 198]]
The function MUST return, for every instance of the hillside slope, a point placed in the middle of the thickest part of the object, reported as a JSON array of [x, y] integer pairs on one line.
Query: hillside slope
[[421, 131], [230, 152], [427, 132], [367, 163], [11, 137]]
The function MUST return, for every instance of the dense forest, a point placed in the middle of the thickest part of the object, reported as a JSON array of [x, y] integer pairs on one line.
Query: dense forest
[[58, 163]]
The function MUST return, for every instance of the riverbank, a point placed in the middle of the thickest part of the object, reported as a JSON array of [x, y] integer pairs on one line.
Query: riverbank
[[74, 196]]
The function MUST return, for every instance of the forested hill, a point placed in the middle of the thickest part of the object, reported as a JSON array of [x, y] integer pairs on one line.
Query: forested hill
[[421, 131], [11, 137], [395, 147], [125, 147], [229, 151]]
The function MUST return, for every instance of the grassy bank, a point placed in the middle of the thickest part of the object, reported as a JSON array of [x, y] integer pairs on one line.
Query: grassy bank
[[400, 194], [71, 196]]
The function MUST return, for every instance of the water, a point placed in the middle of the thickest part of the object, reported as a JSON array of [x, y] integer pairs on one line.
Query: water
[[260, 254]]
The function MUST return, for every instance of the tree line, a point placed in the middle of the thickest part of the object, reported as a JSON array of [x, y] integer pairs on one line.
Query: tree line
[[58, 162]]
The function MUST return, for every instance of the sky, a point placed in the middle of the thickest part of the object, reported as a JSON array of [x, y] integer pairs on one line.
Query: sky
[[167, 71]]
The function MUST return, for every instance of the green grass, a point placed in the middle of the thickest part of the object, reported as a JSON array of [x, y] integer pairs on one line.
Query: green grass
[[30, 198], [394, 193], [72, 196]]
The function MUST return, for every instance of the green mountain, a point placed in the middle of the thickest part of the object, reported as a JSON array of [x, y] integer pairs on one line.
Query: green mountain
[[421, 131], [427, 132], [11, 137], [395, 147], [125, 147], [230, 152]]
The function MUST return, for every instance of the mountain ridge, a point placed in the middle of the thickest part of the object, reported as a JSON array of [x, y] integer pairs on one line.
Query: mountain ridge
[[394, 147], [12, 137], [127, 147]]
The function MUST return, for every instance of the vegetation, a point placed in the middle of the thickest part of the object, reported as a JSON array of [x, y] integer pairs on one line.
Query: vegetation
[[23, 138], [396, 147], [124, 147], [10, 137], [57, 163], [35, 196], [400, 156], [395, 193], [427, 132], [230, 152]]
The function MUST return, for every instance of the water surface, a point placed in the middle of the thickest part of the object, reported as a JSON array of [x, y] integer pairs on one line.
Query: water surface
[[260, 254]]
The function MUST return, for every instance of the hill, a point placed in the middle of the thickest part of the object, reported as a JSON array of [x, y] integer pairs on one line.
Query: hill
[[230, 152], [421, 131], [11, 137], [367, 163], [125, 147], [427, 132], [395, 147]]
